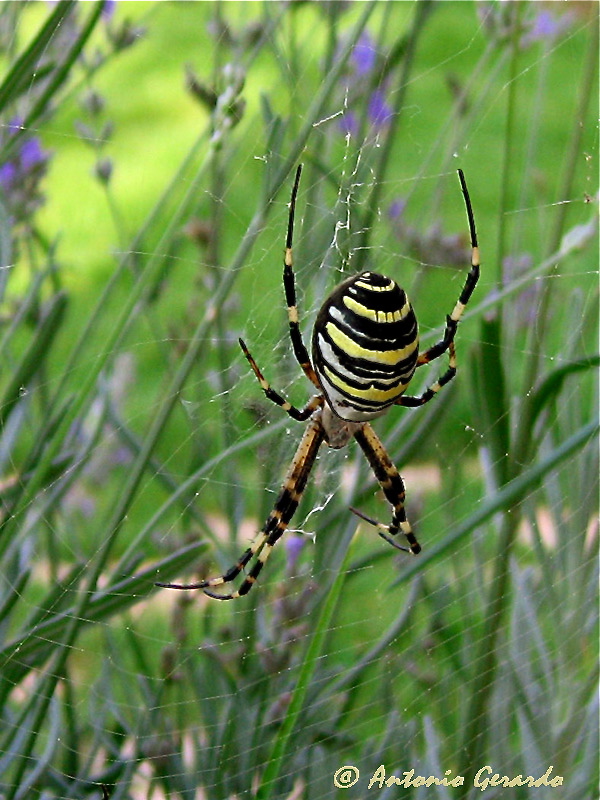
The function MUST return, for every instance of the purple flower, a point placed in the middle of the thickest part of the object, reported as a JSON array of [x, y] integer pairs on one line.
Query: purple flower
[[22, 173], [109, 8], [380, 112], [358, 84], [293, 546], [28, 162], [15, 124], [8, 173], [396, 209], [499, 21], [31, 154], [364, 54], [348, 123], [546, 25]]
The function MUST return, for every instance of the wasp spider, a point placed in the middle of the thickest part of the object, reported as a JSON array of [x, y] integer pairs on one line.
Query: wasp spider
[[365, 350]]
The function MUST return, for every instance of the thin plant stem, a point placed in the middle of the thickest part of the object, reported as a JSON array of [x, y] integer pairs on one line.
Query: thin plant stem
[[570, 164], [422, 11]]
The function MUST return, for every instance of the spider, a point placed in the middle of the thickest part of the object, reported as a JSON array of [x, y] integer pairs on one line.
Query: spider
[[365, 350]]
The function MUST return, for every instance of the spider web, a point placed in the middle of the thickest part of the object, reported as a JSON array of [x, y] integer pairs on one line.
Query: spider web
[[168, 694]]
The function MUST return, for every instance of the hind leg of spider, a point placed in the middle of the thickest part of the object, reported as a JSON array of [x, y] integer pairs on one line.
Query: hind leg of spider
[[274, 530], [231, 573], [275, 397], [276, 524], [279, 518], [393, 488]]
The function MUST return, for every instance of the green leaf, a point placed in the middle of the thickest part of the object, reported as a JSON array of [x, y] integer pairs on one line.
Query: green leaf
[[18, 80], [34, 356], [505, 497]]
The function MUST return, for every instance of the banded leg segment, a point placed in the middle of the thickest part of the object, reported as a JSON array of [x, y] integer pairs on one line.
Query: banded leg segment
[[393, 487], [279, 519], [298, 414], [289, 285], [453, 319], [276, 524], [428, 394]]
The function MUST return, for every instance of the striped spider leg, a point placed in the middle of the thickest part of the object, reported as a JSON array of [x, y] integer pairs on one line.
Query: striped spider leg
[[276, 524], [452, 320]]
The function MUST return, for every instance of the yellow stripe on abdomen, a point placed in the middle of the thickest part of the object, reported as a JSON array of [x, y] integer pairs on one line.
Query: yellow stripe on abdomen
[[354, 350], [373, 314], [371, 394]]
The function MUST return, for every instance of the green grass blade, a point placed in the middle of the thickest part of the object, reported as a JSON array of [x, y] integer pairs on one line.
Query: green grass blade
[[545, 392], [35, 644], [59, 75], [400, 623], [6, 246], [491, 397], [507, 496], [309, 665], [18, 79], [35, 355]]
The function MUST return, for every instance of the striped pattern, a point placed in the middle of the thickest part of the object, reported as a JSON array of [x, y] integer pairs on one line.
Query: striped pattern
[[365, 346], [393, 487], [276, 524], [278, 519]]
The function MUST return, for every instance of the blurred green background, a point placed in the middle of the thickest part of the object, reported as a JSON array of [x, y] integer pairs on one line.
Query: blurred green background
[[147, 153]]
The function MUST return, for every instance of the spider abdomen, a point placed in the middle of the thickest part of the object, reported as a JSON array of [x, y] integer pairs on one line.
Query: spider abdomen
[[365, 346]]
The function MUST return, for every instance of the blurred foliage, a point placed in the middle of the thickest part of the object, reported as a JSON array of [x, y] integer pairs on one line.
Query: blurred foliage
[[146, 158]]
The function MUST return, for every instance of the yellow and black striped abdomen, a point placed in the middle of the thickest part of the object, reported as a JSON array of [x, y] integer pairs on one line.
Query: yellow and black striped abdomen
[[365, 346]]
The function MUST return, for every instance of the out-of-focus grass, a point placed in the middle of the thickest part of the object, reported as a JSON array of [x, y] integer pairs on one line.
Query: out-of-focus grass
[[129, 420]]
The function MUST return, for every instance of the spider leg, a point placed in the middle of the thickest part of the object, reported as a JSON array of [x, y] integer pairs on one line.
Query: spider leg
[[276, 524], [290, 409], [429, 393], [393, 488], [289, 284], [453, 319]]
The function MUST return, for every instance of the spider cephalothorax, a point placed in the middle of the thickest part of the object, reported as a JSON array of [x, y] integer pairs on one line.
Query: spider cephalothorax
[[365, 350]]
